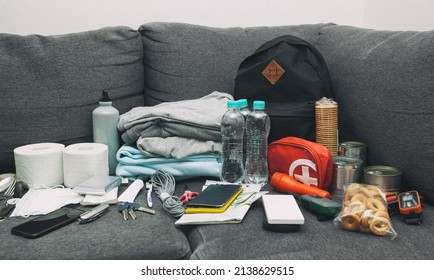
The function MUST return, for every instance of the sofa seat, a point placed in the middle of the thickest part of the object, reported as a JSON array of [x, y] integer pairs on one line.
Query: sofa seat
[[107, 238], [318, 240]]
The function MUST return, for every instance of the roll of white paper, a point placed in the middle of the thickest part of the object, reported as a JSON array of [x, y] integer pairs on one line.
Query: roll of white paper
[[84, 160], [39, 165]]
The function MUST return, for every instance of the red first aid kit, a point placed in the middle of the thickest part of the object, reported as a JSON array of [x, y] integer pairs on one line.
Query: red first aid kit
[[307, 162]]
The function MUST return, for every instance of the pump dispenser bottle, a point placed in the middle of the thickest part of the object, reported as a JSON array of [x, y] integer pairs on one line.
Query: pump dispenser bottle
[[104, 122]]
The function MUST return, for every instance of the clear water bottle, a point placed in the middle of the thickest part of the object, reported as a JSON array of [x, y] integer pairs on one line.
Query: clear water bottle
[[104, 123], [257, 130], [243, 106], [232, 129]]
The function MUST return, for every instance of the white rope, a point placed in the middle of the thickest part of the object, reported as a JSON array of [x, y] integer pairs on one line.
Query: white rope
[[163, 184]]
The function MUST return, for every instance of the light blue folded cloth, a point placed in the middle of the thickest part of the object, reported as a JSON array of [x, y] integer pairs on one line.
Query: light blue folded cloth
[[133, 163]]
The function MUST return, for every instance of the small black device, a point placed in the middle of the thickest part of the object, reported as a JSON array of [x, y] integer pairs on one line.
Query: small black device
[[324, 208], [47, 223], [410, 207]]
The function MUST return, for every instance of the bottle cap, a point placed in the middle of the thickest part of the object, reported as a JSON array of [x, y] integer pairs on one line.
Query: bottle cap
[[242, 103], [258, 104], [232, 104], [105, 97]]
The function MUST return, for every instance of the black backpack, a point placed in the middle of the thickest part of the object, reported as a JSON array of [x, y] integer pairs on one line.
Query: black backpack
[[290, 75]]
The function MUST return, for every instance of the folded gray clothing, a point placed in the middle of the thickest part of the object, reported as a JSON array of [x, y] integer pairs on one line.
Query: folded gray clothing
[[195, 118], [176, 147]]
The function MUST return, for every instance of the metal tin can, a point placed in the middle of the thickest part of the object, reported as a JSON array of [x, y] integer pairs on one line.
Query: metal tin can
[[387, 177], [354, 149], [346, 170]]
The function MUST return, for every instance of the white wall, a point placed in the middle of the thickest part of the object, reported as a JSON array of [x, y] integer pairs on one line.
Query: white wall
[[63, 16]]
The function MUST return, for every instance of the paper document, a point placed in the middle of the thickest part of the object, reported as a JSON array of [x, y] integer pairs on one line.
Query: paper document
[[234, 214]]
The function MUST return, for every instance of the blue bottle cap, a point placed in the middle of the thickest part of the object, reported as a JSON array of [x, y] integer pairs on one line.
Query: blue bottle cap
[[242, 103], [258, 104], [232, 104]]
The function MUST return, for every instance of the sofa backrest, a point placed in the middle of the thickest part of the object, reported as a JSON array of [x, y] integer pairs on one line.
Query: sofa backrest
[[49, 85], [185, 61], [383, 82]]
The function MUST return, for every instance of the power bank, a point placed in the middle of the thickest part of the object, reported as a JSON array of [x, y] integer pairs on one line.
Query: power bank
[[98, 185], [282, 209]]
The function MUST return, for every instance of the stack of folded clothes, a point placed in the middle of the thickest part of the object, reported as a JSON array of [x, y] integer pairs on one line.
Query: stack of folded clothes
[[182, 138]]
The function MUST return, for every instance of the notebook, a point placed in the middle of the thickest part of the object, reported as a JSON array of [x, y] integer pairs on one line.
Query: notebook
[[282, 209], [214, 199]]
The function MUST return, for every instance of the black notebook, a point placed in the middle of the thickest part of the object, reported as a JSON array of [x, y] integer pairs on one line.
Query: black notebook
[[215, 196]]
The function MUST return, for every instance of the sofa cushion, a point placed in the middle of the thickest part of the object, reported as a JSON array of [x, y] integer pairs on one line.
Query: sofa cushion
[[315, 240], [49, 85], [149, 237], [184, 61], [383, 82]]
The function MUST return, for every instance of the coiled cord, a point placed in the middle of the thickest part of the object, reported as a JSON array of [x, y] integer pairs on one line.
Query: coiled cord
[[163, 184]]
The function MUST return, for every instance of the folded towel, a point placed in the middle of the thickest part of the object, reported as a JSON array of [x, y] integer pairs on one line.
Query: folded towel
[[176, 147], [196, 118], [133, 163]]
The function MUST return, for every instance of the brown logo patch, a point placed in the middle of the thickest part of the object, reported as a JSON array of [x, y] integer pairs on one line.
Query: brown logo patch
[[273, 72]]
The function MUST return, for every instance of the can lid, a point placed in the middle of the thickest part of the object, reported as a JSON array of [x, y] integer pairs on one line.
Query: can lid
[[382, 170], [353, 144], [345, 161]]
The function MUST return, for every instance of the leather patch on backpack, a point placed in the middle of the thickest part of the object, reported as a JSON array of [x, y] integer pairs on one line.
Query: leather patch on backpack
[[273, 72]]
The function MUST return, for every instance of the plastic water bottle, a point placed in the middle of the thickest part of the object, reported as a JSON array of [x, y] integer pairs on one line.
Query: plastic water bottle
[[243, 106], [104, 122], [232, 129], [257, 130]]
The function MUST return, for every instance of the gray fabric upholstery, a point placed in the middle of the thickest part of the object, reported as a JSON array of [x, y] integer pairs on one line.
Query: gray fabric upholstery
[[184, 61], [383, 82], [49, 85], [109, 238], [315, 240]]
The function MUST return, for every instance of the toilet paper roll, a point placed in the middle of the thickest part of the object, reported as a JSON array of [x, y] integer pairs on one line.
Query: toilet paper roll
[[39, 165], [84, 160]]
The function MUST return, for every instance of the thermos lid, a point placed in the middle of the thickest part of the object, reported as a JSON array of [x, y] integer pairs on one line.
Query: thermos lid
[[105, 97]]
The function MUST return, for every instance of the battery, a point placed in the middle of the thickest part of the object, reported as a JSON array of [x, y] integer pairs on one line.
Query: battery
[[387, 177], [354, 149]]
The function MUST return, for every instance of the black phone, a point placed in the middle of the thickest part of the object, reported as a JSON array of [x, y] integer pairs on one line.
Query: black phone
[[47, 223]]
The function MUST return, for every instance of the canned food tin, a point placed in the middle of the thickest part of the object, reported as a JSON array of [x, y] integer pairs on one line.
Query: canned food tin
[[346, 170], [354, 149], [387, 177]]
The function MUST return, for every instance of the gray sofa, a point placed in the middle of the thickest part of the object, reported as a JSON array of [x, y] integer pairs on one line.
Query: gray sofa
[[383, 82]]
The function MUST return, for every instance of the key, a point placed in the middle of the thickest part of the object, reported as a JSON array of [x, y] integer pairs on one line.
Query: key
[[132, 214], [137, 207], [130, 210], [123, 208], [125, 214]]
